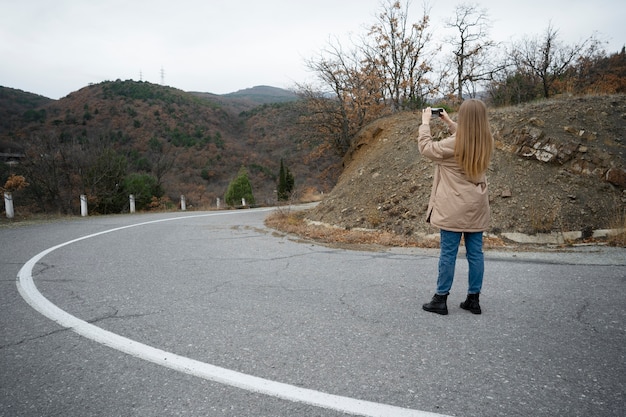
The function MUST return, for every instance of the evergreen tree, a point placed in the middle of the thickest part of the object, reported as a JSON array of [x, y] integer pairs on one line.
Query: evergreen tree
[[286, 182], [239, 188], [290, 181]]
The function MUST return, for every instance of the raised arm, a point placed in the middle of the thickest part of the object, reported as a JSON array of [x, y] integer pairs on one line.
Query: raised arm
[[435, 151]]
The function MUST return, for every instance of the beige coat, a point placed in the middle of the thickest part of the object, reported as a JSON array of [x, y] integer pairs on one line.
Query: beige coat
[[456, 204]]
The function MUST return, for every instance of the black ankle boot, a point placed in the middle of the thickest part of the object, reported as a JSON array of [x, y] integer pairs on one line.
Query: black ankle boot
[[437, 304], [471, 304]]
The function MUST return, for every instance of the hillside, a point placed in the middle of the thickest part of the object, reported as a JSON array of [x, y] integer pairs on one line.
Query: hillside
[[17, 106], [194, 143], [558, 166]]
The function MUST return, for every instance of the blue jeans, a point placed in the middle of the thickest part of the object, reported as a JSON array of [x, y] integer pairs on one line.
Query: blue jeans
[[447, 260]]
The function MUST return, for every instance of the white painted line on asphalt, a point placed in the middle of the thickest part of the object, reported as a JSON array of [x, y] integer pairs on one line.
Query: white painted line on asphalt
[[35, 299]]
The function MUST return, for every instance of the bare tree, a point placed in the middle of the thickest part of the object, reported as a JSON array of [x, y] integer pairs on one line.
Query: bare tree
[[547, 58], [161, 156], [386, 72], [399, 54], [471, 47], [352, 96], [51, 168]]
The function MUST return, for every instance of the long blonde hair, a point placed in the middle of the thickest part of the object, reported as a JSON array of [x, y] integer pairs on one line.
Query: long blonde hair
[[474, 142]]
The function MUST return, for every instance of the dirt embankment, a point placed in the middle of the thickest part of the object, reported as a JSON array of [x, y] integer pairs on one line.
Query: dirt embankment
[[559, 166]]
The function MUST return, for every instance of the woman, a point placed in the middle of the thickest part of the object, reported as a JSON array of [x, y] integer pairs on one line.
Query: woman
[[459, 202]]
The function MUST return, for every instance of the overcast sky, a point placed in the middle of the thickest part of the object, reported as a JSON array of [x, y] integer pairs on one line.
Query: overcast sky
[[56, 47]]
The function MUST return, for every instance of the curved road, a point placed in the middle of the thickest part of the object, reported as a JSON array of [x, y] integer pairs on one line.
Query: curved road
[[212, 314]]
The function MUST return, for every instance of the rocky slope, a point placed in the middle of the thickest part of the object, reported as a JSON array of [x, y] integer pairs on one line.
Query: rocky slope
[[559, 166]]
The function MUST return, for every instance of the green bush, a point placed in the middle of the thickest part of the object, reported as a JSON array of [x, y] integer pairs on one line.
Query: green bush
[[143, 187], [239, 188]]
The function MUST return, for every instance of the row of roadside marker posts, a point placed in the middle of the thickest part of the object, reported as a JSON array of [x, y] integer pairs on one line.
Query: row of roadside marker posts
[[131, 198], [8, 204]]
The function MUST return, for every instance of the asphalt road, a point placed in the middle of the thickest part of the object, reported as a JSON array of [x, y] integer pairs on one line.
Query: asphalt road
[[212, 314]]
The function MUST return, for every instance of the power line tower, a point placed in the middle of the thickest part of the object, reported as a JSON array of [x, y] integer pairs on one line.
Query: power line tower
[[162, 76]]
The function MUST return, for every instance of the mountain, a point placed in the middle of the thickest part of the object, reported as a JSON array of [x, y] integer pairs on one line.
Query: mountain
[[193, 143], [249, 98], [263, 94]]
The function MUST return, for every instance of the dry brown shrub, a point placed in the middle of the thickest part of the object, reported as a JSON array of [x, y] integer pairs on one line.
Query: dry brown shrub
[[160, 204], [15, 183]]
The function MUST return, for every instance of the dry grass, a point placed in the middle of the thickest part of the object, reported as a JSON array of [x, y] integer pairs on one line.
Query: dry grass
[[619, 223], [21, 219], [293, 222], [618, 240], [543, 221]]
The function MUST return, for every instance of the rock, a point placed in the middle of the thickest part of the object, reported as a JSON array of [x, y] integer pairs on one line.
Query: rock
[[535, 145], [535, 133], [570, 129], [617, 177]]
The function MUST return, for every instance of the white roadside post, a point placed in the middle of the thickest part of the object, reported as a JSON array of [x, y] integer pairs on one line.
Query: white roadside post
[[83, 205], [132, 203], [8, 205], [183, 205]]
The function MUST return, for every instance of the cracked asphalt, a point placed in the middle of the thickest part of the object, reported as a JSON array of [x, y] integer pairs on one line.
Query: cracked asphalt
[[225, 290]]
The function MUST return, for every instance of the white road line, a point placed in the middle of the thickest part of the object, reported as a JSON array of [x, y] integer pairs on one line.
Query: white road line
[[31, 294]]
